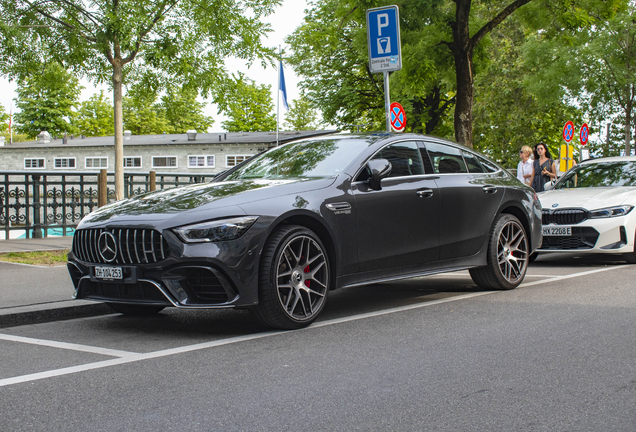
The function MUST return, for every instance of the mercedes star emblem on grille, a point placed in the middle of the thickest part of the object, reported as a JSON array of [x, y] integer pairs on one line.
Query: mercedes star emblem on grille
[[107, 246]]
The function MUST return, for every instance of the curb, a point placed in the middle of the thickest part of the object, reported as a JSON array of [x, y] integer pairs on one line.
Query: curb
[[64, 310]]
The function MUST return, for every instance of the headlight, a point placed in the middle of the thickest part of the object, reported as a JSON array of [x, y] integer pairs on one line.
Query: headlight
[[611, 211], [215, 231]]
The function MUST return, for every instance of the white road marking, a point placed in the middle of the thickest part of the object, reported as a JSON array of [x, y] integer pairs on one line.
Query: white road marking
[[67, 346], [133, 357]]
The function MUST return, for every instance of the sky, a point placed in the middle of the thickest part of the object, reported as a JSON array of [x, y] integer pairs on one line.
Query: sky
[[286, 18]]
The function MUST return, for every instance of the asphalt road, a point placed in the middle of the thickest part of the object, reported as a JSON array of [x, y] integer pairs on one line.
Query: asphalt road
[[430, 354]]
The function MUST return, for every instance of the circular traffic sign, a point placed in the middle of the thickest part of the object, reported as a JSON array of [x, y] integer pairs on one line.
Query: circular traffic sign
[[585, 131], [568, 131], [398, 117]]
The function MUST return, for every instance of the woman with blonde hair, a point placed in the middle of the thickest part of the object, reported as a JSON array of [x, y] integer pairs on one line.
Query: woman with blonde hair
[[524, 168]]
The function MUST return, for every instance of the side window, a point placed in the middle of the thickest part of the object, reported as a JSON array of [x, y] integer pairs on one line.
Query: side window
[[488, 166], [473, 164], [446, 159], [405, 159]]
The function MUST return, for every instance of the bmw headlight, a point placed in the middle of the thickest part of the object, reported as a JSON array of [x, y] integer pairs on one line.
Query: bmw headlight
[[611, 211], [216, 231]]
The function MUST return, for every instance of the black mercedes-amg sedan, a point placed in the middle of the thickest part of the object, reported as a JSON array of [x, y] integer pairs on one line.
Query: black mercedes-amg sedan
[[276, 233]]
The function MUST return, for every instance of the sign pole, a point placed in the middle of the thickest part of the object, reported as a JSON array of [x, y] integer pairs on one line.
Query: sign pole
[[387, 101]]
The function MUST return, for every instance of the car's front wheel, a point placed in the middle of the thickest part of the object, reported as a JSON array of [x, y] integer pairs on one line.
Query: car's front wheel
[[507, 259], [135, 310], [293, 279]]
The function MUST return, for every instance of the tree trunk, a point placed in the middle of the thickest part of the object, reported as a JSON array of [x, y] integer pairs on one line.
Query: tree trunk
[[462, 51], [628, 127], [119, 129]]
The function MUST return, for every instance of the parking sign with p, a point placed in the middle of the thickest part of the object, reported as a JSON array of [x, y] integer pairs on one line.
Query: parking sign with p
[[383, 33]]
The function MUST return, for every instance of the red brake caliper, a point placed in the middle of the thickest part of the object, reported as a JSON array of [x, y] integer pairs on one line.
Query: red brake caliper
[[307, 270]]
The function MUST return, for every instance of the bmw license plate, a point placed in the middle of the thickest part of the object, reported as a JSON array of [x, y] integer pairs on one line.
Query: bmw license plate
[[108, 273], [557, 231]]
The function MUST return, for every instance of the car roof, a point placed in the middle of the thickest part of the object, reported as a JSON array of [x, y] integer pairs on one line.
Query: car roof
[[611, 159]]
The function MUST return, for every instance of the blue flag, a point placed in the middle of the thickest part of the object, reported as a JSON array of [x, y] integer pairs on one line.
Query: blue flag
[[281, 80]]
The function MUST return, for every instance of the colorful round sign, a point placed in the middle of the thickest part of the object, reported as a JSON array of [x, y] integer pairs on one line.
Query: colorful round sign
[[568, 131], [585, 131], [398, 117]]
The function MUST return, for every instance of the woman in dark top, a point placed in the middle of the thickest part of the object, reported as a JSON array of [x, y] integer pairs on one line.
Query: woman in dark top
[[543, 168]]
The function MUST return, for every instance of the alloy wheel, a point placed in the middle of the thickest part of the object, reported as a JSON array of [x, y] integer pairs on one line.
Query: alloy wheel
[[302, 278], [512, 251]]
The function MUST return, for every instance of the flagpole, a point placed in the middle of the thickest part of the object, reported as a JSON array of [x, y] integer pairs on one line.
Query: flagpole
[[278, 95]]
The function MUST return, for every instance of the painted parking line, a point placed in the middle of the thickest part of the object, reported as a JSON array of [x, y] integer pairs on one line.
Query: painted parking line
[[127, 357], [67, 346]]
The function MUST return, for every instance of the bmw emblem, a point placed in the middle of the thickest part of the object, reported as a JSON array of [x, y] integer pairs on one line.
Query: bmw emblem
[[555, 205], [107, 246]]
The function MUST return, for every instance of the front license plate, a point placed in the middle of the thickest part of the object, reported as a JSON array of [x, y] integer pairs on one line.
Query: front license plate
[[108, 273], [557, 231]]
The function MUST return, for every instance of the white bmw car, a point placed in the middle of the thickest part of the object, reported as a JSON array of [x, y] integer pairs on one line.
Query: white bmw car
[[591, 209]]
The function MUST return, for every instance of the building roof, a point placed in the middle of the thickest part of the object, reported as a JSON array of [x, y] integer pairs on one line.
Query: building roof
[[211, 138]]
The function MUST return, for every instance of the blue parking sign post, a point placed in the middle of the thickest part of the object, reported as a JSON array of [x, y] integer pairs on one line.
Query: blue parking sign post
[[385, 47]]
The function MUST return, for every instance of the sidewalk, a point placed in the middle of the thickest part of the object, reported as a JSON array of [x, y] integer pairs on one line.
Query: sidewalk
[[33, 294]]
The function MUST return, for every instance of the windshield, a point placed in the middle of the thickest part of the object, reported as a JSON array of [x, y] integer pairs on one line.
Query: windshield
[[308, 158], [599, 174]]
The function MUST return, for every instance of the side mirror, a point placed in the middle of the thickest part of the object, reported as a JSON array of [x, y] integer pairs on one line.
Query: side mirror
[[379, 169], [548, 186]]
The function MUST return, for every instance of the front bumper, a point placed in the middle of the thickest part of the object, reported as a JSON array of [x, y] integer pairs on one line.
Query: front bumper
[[199, 275], [611, 236]]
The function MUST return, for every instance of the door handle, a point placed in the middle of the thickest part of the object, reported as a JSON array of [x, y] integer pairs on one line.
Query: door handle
[[489, 189], [425, 193]]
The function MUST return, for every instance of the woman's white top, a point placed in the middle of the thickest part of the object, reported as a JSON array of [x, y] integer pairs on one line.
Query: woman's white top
[[524, 168]]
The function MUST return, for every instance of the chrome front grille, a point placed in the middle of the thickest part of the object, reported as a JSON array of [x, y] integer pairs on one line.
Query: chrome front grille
[[133, 246], [564, 216]]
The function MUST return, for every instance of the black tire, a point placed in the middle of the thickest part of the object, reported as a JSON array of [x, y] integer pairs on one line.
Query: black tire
[[135, 310], [294, 279], [533, 256], [507, 259]]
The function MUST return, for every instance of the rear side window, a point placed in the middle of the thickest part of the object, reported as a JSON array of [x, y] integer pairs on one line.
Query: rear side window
[[488, 166], [473, 164], [446, 159]]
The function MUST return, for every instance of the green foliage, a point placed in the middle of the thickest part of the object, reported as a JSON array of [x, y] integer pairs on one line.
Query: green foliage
[[249, 107], [95, 116], [301, 116], [46, 100], [4, 120], [158, 43], [507, 113], [183, 112], [142, 116]]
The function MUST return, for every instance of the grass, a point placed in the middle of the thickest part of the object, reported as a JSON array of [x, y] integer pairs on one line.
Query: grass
[[42, 258]]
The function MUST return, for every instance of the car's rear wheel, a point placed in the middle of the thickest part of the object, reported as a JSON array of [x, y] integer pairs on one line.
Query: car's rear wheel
[[293, 279], [507, 259], [135, 310]]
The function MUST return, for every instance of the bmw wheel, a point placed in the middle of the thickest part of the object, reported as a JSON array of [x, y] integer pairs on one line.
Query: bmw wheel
[[507, 259], [294, 279]]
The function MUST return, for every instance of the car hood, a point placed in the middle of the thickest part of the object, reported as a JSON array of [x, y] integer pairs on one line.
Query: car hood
[[588, 198], [198, 201]]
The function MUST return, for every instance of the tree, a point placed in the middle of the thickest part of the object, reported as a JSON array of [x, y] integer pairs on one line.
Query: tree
[[507, 112], [153, 42], [250, 107], [46, 100], [301, 116], [142, 116], [443, 45], [94, 116], [183, 112]]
